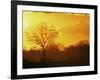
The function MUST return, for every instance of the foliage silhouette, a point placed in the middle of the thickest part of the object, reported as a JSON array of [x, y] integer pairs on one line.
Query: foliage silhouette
[[74, 55]]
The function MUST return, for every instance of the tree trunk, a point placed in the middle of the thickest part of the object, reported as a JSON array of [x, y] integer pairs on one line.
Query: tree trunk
[[43, 55]]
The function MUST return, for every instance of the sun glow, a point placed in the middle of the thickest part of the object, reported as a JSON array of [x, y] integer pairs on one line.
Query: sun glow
[[72, 27]]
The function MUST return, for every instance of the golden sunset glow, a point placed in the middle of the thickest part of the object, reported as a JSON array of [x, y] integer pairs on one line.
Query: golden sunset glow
[[71, 27]]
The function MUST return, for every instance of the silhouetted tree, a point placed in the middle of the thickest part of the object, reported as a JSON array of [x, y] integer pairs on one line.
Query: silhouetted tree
[[43, 36]]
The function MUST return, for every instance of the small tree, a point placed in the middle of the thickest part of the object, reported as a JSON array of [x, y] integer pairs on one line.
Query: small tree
[[43, 36]]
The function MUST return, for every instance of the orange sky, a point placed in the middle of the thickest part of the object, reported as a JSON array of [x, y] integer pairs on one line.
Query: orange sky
[[72, 27]]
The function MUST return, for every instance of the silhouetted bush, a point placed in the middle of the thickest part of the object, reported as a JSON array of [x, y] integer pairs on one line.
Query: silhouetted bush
[[74, 55]]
